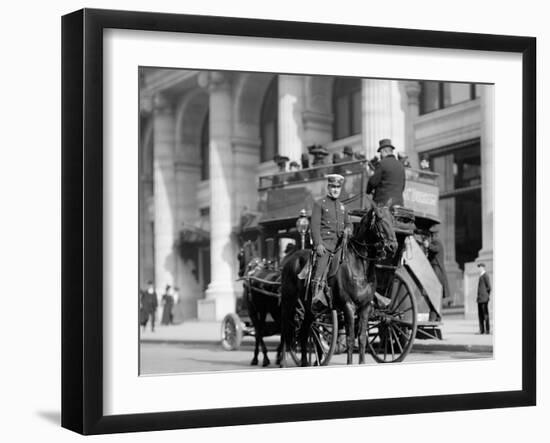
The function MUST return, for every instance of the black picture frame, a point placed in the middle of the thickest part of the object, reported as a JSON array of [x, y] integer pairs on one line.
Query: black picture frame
[[82, 219]]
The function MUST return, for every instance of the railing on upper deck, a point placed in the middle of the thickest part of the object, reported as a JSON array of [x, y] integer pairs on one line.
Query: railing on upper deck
[[282, 179], [283, 195]]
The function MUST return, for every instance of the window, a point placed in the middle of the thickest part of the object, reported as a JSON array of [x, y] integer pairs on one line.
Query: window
[[205, 148], [269, 122], [439, 95], [346, 102], [460, 198]]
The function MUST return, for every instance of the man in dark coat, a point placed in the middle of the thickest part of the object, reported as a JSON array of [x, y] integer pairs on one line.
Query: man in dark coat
[[329, 223], [148, 305], [436, 256], [388, 180], [483, 295]]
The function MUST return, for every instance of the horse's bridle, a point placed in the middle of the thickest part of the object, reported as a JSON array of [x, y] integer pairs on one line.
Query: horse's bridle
[[380, 246]]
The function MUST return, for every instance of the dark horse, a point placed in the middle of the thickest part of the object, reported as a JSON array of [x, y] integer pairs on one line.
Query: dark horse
[[352, 284], [262, 297]]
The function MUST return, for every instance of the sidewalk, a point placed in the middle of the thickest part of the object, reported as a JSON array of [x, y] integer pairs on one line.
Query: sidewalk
[[459, 335]]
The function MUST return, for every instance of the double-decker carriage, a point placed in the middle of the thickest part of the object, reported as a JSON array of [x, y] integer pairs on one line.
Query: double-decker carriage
[[407, 301]]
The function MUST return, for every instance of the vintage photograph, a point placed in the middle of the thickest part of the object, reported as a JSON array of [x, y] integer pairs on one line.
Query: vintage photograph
[[309, 220]]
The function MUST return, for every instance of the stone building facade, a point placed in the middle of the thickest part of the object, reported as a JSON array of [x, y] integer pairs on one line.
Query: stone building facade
[[207, 137]]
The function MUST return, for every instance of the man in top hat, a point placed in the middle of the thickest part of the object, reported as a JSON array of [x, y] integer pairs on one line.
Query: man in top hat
[[319, 154], [148, 305], [329, 224], [281, 162], [348, 154], [436, 257], [388, 180]]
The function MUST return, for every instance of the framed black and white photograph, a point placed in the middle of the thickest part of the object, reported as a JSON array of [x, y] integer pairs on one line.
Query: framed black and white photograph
[[269, 221]]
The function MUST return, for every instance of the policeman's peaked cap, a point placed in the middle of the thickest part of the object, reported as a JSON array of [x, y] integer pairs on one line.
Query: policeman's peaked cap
[[335, 179]]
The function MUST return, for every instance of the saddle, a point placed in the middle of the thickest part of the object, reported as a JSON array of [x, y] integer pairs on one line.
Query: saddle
[[333, 265]]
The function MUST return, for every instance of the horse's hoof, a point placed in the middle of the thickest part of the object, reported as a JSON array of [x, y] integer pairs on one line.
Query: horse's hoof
[[254, 362], [266, 362]]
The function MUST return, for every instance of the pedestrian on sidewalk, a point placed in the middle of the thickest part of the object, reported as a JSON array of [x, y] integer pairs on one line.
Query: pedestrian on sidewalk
[[168, 304], [483, 296], [148, 306]]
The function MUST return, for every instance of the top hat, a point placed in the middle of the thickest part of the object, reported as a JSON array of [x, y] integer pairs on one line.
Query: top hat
[[384, 143], [348, 150], [318, 151], [335, 179], [280, 159]]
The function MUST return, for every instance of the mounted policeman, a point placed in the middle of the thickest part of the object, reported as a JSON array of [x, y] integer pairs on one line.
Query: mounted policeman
[[330, 223], [388, 180]]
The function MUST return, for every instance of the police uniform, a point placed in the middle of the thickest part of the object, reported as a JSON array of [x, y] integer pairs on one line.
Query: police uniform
[[388, 180], [329, 218]]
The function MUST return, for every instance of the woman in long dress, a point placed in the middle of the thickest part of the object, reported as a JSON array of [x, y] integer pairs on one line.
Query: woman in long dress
[[167, 303]]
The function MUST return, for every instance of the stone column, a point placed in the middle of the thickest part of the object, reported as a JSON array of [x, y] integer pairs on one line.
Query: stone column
[[443, 165], [412, 89], [220, 298], [487, 170], [383, 116], [246, 157], [187, 178], [291, 107], [485, 255], [164, 192]]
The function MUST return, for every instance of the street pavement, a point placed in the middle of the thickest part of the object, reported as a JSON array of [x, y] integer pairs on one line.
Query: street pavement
[[458, 335], [177, 358]]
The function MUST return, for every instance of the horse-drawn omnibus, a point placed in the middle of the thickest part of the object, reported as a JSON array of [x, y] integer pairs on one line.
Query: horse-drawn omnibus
[[408, 298]]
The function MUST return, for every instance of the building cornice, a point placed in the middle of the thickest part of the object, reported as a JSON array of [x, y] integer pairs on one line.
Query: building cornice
[[169, 78], [448, 126], [316, 120], [244, 145]]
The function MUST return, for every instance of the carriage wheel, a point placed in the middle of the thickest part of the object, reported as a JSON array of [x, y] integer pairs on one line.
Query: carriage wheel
[[322, 337], [231, 332], [392, 327]]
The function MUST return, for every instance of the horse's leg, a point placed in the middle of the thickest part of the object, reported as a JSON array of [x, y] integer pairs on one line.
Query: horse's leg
[[304, 336], [276, 314], [261, 332], [253, 313], [279, 352], [286, 331], [349, 320], [254, 361], [362, 333]]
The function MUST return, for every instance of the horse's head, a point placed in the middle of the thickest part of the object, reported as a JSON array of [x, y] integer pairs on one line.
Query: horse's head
[[376, 230]]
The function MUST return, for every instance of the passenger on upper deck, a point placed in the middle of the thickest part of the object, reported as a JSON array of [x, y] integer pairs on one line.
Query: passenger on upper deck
[[348, 154], [319, 154], [388, 180]]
